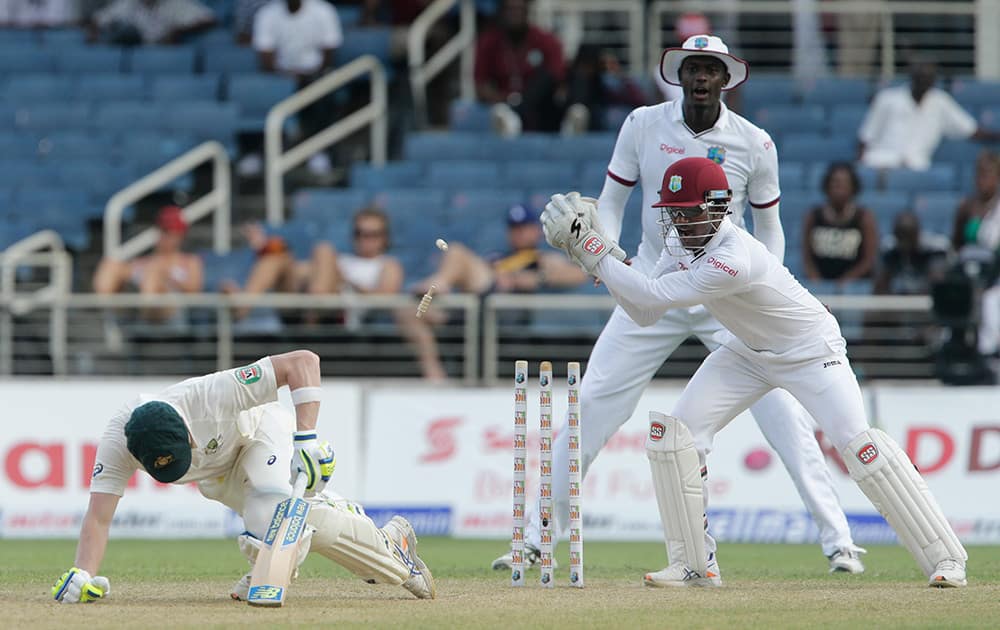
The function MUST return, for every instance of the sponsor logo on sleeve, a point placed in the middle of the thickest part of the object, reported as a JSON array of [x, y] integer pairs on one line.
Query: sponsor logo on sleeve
[[722, 266], [248, 375], [98, 469], [867, 453], [594, 245], [656, 431]]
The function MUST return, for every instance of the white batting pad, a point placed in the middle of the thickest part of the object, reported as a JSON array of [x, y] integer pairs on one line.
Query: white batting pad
[[676, 471], [889, 479], [355, 543]]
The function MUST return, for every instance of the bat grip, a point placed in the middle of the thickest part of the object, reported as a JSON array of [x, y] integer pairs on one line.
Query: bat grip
[[299, 487]]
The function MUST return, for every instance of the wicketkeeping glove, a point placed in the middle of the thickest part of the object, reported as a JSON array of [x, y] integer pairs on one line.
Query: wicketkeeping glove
[[587, 207], [570, 229], [314, 458], [77, 587]]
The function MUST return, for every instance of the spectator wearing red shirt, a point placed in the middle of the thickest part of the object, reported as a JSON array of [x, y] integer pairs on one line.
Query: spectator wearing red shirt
[[520, 66]]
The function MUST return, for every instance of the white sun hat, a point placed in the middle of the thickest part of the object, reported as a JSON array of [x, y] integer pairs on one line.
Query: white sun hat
[[703, 45]]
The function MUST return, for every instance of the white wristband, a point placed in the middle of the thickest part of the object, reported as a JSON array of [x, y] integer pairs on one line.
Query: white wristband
[[306, 395]]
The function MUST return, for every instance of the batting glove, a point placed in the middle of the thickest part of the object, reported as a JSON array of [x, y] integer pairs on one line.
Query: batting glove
[[77, 587], [314, 458]]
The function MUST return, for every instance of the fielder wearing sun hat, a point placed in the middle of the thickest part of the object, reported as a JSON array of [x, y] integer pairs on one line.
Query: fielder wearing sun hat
[[703, 46], [157, 436]]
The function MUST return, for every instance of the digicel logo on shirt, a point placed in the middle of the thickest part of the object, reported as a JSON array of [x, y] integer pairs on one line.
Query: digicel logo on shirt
[[718, 264]]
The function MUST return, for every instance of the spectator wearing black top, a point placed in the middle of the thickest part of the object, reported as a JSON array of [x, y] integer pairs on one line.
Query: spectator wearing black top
[[912, 260], [977, 214], [841, 237]]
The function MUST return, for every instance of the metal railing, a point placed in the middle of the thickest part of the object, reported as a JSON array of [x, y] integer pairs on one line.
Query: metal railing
[[41, 249], [217, 202], [422, 71], [875, 24], [277, 161], [567, 18]]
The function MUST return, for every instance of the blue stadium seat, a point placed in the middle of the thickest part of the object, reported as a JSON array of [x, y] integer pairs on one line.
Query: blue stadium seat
[[469, 116], [96, 179], [590, 147], [886, 205], [57, 38], [325, 205], [229, 59], [54, 116], [15, 144], [20, 173], [204, 120], [442, 145], [77, 144], [299, 235], [847, 119], [592, 175], [417, 202], [936, 210], [185, 87], [392, 175], [162, 59], [787, 119], [793, 176], [939, 177], [13, 231], [816, 148], [557, 176], [105, 88], [365, 41], [957, 151], [973, 93], [29, 89], [837, 91], [14, 59], [349, 15], [767, 89], [989, 116], [491, 237], [795, 204], [18, 37], [256, 94], [89, 59], [234, 266], [455, 174], [131, 116], [528, 146], [474, 203]]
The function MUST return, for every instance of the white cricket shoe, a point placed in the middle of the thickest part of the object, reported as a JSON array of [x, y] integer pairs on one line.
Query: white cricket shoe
[[532, 558], [241, 589], [948, 574], [679, 574], [421, 582], [847, 560]]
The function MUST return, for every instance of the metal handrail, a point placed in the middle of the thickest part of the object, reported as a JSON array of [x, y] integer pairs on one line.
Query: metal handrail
[[218, 202], [278, 162], [885, 9], [32, 251], [462, 43]]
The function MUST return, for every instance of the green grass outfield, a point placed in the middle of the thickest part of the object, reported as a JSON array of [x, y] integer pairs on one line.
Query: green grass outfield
[[185, 584]]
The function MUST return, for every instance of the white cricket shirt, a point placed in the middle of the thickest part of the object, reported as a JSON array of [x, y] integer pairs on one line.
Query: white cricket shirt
[[215, 409], [297, 39], [742, 285], [899, 132], [652, 138]]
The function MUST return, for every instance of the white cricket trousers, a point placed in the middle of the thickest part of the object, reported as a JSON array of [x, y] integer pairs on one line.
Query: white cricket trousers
[[728, 382], [623, 362]]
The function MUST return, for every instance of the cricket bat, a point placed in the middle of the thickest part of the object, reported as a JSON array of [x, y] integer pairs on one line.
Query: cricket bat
[[277, 558]]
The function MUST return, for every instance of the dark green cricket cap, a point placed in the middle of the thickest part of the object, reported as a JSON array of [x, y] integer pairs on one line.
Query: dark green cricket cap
[[157, 436]]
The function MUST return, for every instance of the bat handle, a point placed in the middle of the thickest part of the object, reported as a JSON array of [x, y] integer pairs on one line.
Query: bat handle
[[299, 487]]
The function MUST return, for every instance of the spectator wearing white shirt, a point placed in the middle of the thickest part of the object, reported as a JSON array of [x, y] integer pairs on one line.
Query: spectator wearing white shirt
[[38, 13], [298, 38], [904, 124], [150, 21]]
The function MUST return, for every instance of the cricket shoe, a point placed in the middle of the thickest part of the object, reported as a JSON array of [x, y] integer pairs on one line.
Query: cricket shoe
[[679, 574], [948, 574], [532, 558], [847, 560], [421, 582]]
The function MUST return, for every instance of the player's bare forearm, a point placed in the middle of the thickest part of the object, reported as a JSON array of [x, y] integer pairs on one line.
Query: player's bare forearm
[[299, 369], [94, 532]]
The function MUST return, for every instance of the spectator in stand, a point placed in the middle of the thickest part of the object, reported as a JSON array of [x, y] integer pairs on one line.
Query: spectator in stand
[[524, 268], [168, 269], [840, 237], [38, 13], [244, 13], [912, 260], [904, 125], [978, 216], [519, 69], [130, 22], [369, 269], [596, 84], [297, 38]]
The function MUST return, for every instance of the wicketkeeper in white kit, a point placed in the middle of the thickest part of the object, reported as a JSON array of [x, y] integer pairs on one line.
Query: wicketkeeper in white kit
[[227, 432], [626, 355], [777, 335]]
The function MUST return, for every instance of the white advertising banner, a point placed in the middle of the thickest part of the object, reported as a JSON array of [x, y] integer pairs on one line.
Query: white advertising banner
[[48, 445], [953, 437], [455, 449]]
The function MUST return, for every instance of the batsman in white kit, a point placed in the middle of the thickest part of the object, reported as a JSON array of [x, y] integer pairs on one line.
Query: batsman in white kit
[[626, 355], [226, 432], [777, 335]]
